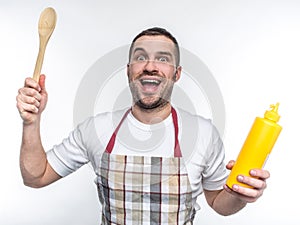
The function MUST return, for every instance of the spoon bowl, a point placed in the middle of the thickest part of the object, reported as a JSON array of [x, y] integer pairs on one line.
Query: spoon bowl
[[46, 26]]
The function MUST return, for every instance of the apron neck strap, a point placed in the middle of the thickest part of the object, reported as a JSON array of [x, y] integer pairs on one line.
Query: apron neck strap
[[177, 150], [112, 140]]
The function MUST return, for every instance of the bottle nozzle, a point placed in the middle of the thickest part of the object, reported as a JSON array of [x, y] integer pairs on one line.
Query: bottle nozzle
[[274, 107], [272, 114]]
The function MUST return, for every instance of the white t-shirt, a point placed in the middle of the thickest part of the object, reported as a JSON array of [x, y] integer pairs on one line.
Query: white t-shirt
[[201, 146]]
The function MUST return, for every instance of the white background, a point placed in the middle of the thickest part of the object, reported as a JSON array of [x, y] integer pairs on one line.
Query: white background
[[251, 47]]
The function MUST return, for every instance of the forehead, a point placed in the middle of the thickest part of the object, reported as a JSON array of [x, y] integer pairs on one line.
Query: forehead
[[153, 44]]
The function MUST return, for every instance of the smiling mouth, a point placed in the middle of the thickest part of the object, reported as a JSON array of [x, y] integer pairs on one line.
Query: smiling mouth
[[152, 82]]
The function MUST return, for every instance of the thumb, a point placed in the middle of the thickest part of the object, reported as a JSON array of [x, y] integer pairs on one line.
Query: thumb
[[230, 164], [42, 82]]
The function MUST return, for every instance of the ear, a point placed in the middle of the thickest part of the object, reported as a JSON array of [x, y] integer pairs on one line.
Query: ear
[[178, 73], [127, 70]]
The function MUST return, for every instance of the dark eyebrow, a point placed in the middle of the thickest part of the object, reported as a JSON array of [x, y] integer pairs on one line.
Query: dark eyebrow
[[139, 49], [165, 53], [159, 52]]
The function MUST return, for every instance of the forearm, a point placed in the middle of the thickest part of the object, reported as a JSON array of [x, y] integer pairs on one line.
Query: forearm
[[33, 159], [227, 204]]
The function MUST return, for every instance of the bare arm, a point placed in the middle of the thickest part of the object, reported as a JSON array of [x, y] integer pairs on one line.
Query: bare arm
[[31, 101], [229, 201], [224, 203]]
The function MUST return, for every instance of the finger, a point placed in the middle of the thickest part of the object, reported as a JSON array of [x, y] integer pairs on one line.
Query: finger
[[42, 82], [31, 83], [244, 194], [230, 164], [251, 194], [24, 107], [26, 91], [252, 181], [28, 100], [262, 174]]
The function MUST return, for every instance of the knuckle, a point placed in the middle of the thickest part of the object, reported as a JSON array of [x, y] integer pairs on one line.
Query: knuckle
[[33, 109], [32, 100], [256, 194], [263, 185], [18, 105], [38, 96], [253, 195], [27, 81], [259, 184], [31, 92]]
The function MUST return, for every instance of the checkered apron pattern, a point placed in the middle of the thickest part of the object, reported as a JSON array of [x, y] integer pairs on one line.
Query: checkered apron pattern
[[144, 190]]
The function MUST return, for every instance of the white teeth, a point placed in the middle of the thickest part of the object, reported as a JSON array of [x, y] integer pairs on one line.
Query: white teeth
[[151, 81]]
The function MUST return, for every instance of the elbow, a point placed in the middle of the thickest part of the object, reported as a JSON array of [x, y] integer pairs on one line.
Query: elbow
[[33, 184], [225, 214], [226, 211]]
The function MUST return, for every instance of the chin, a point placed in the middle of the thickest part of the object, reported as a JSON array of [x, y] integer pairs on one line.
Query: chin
[[147, 105]]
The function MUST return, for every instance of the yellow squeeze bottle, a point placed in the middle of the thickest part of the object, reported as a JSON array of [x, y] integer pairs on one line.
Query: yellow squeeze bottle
[[257, 146]]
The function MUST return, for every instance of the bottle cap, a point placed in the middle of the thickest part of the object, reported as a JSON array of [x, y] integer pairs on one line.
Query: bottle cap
[[272, 114]]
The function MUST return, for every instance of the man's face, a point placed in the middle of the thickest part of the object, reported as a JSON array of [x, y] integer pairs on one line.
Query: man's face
[[152, 71]]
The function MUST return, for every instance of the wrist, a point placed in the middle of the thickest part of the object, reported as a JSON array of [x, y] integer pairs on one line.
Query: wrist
[[31, 124]]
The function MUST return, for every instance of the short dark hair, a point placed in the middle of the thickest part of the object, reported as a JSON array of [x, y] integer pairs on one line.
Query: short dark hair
[[158, 31]]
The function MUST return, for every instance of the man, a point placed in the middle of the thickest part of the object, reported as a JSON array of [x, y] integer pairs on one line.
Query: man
[[150, 168]]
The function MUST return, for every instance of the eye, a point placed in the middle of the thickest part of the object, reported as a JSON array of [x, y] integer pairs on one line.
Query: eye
[[163, 59], [140, 58]]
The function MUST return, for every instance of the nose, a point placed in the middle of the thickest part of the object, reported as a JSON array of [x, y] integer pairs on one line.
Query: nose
[[151, 66]]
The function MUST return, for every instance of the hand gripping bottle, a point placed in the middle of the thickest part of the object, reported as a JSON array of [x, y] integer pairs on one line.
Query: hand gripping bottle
[[257, 146]]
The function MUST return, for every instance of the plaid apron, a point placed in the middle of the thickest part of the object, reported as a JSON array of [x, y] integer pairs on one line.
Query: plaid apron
[[144, 190]]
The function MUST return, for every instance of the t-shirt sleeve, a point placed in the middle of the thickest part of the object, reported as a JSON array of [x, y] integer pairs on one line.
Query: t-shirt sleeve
[[71, 154], [215, 172], [84, 144]]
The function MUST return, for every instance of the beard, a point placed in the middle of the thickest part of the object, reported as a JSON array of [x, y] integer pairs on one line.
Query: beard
[[157, 101]]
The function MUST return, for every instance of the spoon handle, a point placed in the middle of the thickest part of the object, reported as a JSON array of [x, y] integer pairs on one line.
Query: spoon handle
[[39, 60]]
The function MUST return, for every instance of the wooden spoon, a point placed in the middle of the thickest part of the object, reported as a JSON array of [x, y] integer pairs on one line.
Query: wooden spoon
[[46, 27]]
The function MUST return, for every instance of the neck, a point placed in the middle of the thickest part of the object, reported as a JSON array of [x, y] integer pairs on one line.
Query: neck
[[151, 116]]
